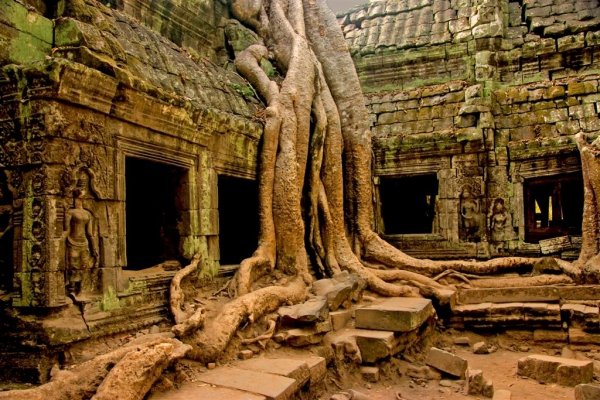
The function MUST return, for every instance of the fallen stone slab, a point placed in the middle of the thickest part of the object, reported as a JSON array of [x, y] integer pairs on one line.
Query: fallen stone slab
[[205, 392], [273, 387], [299, 337], [292, 368], [502, 395], [397, 314], [549, 369], [339, 319], [447, 362], [376, 345], [586, 391], [311, 311], [339, 291]]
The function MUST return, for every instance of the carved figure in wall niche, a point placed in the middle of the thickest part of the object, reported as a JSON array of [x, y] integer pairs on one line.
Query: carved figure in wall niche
[[80, 240], [499, 221], [470, 217]]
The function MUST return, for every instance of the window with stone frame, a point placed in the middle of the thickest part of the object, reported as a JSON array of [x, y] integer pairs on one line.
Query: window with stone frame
[[553, 206], [408, 204]]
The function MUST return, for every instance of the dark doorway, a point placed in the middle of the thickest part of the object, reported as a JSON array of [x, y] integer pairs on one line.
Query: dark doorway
[[6, 240], [553, 206], [155, 197], [408, 203], [238, 218]]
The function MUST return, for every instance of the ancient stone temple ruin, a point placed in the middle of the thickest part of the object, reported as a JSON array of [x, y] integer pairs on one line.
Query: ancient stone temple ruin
[[129, 143]]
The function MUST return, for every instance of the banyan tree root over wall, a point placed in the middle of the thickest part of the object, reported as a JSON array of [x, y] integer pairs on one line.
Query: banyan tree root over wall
[[315, 196]]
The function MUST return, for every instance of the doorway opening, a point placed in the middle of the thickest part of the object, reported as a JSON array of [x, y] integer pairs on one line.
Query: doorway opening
[[408, 203], [155, 196], [553, 206], [238, 218]]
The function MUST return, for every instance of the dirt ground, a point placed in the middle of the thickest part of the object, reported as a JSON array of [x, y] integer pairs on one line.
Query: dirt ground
[[499, 366]]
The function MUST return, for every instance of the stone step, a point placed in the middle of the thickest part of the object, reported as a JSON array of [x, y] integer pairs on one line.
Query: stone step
[[204, 391], [275, 378], [292, 368], [507, 315], [375, 345], [549, 369], [271, 386], [551, 294], [396, 314]]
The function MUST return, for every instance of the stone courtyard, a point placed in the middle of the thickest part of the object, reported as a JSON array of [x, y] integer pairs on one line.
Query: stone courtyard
[[130, 148]]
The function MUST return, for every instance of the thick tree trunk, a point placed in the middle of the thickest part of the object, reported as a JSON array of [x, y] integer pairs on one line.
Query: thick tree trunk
[[589, 260]]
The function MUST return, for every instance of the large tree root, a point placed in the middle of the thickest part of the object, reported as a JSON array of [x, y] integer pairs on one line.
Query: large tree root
[[82, 381], [185, 322], [135, 374], [209, 344]]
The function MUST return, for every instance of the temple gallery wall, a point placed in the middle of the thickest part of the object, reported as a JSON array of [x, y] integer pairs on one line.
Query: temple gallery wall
[[128, 144]]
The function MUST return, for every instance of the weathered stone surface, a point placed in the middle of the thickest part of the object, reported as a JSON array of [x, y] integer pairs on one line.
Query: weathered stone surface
[[579, 336], [587, 392], [549, 369], [447, 362], [484, 348], [339, 290], [339, 319], [376, 345], [370, 374], [205, 392], [312, 310], [398, 314], [292, 368], [273, 387], [300, 337]]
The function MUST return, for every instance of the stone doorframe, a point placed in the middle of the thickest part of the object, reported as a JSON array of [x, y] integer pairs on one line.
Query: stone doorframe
[[127, 147]]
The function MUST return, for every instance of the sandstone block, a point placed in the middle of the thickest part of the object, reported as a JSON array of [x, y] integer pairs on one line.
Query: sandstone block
[[310, 311], [339, 319], [549, 369], [292, 368], [447, 362], [273, 387], [370, 374], [301, 337], [375, 345], [398, 314], [206, 392], [587, 392]]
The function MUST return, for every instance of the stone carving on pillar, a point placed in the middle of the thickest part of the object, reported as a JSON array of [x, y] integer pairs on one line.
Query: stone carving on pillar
[[470, 216], [499, 222], [81, 240]]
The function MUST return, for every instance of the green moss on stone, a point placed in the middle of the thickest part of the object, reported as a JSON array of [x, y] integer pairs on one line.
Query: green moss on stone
[[110, 300]]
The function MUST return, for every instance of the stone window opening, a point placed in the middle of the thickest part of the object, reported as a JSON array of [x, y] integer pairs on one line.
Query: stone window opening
[[156, 196], [238, 218], [407, 204], [553, 206]]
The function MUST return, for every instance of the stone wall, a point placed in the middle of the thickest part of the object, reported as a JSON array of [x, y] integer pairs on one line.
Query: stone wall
[[84, 88], [486, 94]]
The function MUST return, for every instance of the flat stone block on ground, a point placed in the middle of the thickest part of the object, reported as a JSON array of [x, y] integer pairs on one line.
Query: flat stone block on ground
[[397, 314], [273, 387], [205, 392], [549, 369], [376, 345], [587, 392], [447, 362], [292, 368]]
